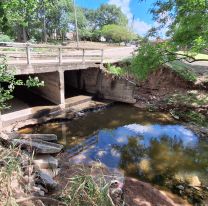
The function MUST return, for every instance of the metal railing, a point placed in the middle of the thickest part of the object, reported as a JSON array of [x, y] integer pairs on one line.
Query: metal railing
[[24, 53]]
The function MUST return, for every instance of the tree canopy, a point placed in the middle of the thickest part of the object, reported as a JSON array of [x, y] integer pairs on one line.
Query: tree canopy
[[41, 19], [117, 33]]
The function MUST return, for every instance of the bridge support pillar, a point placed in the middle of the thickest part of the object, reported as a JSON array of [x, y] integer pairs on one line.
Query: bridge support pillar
[[53, 89]]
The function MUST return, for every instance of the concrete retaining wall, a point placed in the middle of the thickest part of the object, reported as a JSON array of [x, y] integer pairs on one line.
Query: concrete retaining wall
[[98, 82]]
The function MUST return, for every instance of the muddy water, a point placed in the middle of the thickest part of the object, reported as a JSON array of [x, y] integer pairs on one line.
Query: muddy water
[[150, 146]]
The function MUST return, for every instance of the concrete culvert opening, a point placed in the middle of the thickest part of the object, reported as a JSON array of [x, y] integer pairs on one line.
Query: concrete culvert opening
[[74, 84], [24, 98]]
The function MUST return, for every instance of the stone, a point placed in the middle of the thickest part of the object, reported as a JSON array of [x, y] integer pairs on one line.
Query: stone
[[44, 137], [180, 187], [45, 162], [194, 181], [47, 181], [52, 172], [37, 191], [38, 146]]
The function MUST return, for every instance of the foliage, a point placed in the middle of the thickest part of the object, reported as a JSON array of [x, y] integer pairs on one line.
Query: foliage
[[10, 169], [118, 71], [5, 38], [183, 70], [148, 59], [187, 22], [117, 33], [8, 82], [43, 19], [193, 98], [110, 14], [85, 189]]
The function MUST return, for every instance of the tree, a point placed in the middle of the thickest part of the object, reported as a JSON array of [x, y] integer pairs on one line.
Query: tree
[[187, 29], [186, 22], [110, 14], [8, 82], [117, 33], [19, 15]]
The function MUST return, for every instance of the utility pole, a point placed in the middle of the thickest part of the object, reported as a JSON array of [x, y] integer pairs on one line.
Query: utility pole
[[76, 27]]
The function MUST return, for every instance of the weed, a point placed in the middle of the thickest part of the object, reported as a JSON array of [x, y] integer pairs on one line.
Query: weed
[[86, 190], [182, 70], [118, 71], [10, 169]]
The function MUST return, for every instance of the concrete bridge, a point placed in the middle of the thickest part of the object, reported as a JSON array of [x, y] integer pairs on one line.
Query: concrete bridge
[[61, 68]]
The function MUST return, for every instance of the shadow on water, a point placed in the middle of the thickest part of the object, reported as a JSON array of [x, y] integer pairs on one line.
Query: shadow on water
[[150, 146]]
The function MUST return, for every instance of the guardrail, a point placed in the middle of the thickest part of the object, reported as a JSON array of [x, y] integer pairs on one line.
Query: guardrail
[[25, 53]]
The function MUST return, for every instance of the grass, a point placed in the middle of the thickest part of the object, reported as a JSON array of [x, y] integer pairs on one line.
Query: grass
[[196, 56], [86, 190], [187, 106], [192, 98], [117, 71], [183, 70], [10, 169]]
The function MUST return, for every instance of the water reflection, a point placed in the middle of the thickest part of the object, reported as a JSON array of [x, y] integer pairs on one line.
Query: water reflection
[[152, 152]]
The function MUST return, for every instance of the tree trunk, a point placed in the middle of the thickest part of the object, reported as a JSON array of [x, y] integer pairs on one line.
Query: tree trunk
[[44, 30], [24, 34]]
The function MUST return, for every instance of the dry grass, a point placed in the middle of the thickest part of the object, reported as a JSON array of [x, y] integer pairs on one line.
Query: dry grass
[[86, 186], [10, 172]]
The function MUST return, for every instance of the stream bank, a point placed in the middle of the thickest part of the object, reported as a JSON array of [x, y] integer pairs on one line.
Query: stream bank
[[153, 98]]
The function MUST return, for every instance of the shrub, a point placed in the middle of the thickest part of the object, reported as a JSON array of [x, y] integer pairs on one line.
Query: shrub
[[5, 38]]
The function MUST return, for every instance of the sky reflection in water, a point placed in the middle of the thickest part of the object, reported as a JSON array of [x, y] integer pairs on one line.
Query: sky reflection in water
[[103, 150]]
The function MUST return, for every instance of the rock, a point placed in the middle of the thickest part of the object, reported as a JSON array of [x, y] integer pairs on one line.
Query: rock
[[44, 137], [194, 181], [38, 146], [45, 162], [180, 187], [37, 191], [51, 172], [116, 192], [47, 181]]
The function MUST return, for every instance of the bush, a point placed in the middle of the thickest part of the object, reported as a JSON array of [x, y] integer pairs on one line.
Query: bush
[[118, 71], [147, 60], [5, 38]]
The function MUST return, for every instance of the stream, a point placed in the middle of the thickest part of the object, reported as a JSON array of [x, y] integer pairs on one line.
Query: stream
[[150, 146]]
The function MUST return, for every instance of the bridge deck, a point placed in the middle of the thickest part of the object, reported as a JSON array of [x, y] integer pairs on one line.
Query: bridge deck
[[28, 58]]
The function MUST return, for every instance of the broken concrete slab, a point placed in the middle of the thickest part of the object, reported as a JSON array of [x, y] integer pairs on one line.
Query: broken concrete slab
[[38, 146], [45, 162], [44, 137]]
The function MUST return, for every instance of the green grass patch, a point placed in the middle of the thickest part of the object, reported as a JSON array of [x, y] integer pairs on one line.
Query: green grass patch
[[192, 98], [183, 70], [196, 56], [85, 189], [115, 70]]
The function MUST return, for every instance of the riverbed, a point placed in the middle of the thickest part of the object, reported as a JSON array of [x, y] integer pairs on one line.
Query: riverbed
[[150, 146]]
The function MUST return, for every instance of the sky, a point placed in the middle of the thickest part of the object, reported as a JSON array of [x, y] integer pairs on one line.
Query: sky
[[143, 19]]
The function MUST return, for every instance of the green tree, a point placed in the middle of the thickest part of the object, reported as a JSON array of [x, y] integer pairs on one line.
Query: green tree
[[187, 27], [8, 82], [19, 15], [110, 14], [117, 33]]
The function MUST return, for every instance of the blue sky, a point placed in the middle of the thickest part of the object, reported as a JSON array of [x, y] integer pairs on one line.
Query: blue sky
[[143, 19]]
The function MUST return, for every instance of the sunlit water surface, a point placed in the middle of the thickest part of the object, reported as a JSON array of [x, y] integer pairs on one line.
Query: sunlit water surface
[[147, 145]]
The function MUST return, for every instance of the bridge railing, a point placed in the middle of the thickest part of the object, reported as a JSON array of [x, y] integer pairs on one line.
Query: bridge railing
[[24, 53]]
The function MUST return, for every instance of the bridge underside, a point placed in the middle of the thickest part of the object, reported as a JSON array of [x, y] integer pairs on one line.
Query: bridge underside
[[61, 89]]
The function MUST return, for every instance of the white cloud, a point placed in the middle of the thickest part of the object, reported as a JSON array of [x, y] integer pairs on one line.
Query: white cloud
[[140, 27], [125, 7]]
